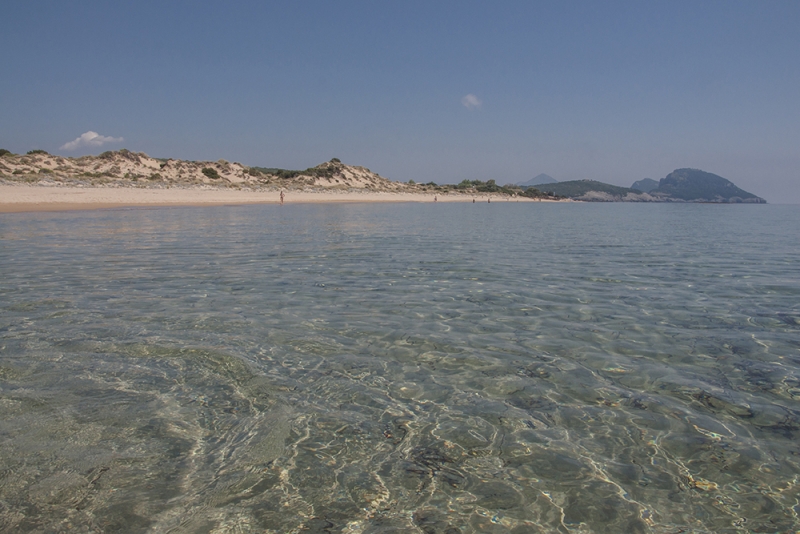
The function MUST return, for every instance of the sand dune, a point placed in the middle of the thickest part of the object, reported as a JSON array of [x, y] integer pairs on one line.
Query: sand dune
[[40, 181]]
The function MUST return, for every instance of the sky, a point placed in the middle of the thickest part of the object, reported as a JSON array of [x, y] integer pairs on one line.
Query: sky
[[429, 91]]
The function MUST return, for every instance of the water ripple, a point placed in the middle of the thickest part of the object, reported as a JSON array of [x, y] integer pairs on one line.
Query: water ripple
[[357, 368]]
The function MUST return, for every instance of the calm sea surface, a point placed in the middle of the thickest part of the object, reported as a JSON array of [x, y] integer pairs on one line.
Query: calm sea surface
[[433, 368]]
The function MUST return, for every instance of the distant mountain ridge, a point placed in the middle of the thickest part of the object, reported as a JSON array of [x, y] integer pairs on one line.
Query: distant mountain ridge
[[539, 180], [681, 185]]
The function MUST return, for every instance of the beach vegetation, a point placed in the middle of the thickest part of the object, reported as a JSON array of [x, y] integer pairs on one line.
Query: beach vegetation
[[264, 170], [411, 182], [578, 188], [37, 151], [479, 186], [4, 152], [285, 174], [532, 192], [328, 170], [211, 173], [45, 170], [490, 186], [155, 176], [17, 172]]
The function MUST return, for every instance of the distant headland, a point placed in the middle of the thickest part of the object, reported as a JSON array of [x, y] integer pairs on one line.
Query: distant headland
[[681, 185]]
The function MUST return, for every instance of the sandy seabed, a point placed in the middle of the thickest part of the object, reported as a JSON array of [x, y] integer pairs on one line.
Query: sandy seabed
[[26, 198]]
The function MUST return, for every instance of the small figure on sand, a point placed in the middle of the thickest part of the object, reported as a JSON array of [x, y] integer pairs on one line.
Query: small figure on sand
[[281, 198], [434, 198]]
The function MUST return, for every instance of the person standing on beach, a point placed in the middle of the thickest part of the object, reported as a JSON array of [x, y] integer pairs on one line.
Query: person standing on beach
[[281, 197]]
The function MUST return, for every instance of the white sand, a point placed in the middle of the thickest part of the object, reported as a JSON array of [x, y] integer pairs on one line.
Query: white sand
[[22, 198]]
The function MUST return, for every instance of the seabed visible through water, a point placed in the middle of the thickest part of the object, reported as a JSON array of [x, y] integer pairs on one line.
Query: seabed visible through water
[[401, 368]]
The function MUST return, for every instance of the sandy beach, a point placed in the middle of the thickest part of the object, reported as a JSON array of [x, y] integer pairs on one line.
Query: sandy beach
[[26, 198]]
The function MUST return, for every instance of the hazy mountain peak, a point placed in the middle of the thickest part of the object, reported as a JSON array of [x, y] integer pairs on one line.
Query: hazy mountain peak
[[539, 180], [645, 185]]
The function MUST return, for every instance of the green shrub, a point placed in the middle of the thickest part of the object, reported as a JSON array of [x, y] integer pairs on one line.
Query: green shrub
[[3, 152], [286, 174], [411, 182], [468, 184], [336, 160], [155, 176], [37, 151], [532, 192], [211, 173], [45, 170]]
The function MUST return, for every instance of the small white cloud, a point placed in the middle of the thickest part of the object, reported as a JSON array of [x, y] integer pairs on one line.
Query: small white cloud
[[90, 139], [471, 101]]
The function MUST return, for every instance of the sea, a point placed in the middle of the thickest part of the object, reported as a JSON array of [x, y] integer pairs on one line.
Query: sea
[[412, 367]]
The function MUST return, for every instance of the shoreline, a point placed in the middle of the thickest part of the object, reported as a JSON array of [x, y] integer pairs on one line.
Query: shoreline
[[33, 198]]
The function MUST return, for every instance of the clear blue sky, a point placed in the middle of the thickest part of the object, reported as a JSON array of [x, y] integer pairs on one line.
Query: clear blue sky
[[611, 91]]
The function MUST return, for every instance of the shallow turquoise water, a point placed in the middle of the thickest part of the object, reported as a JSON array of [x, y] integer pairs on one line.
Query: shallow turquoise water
[[401, 368]]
